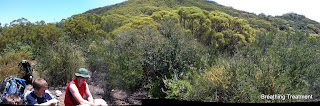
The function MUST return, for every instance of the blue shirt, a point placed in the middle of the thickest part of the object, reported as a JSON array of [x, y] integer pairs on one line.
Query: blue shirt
[[32, 98]]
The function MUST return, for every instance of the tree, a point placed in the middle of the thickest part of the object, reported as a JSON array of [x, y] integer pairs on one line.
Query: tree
[[138, 25], [15, 32], [111, 22], [58, 62], [215, 29], [24, 31], [260, 24], [84, 26], [44, 33]]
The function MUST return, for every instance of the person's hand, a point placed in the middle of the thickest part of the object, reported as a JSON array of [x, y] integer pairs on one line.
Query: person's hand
[[58, 93], [53, 102], [100, 102]]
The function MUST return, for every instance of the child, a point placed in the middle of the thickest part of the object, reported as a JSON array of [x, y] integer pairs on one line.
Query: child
[[39, 96], [12, 99]]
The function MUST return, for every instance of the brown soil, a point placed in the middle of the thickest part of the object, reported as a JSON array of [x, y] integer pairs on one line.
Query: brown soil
[[118, 97], [121, 97]]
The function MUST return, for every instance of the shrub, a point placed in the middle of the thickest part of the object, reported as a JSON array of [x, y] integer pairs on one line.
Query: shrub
[[170, 55], [11, 56], [287, 64], [9, 64], [18, 47], [120, 59], [58, 63]]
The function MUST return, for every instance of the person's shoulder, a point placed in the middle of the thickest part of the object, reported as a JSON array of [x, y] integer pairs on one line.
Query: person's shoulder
[[47, 95], [31, 99], [71, 82], [31, 95], [86, 84], [73, 86]]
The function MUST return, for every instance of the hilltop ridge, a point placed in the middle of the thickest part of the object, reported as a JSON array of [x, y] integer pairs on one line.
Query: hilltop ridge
[[286, 21]]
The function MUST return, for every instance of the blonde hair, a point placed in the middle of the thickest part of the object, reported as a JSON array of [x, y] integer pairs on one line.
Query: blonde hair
[[39, 83], [12, 99]]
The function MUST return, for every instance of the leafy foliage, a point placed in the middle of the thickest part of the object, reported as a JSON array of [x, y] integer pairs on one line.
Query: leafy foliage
[[215, 29], [84, 26], [192, 50], [264, 68], [9, 64], [60, 62], [22, 30]]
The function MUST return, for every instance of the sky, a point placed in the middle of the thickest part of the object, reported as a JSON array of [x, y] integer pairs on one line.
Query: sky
[[47, 10], [56, 10], [308, 8]]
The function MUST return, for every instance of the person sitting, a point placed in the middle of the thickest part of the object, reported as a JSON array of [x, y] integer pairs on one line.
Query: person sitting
[[12, 99], [39, 96], [77, 88]]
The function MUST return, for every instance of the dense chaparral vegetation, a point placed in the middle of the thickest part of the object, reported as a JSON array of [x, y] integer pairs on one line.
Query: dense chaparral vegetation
[[193, 50]]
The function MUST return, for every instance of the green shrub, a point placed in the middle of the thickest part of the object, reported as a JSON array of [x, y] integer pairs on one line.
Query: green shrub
[[278, 63], [120, 59], [18, 47], [58, 63], [11, 56], [171, 55], [9, 64]]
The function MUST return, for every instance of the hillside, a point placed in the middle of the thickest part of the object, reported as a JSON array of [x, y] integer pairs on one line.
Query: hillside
[[284, 22], [193, 50]]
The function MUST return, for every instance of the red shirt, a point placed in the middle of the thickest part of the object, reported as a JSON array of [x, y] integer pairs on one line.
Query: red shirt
[[72, 102]]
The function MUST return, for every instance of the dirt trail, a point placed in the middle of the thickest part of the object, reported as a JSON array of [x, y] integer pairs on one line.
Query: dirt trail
[[120, 97]]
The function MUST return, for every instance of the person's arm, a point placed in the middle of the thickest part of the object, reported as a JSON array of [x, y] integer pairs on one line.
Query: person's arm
[[51, 102], [33, 101], [75, 92], [88, 93]]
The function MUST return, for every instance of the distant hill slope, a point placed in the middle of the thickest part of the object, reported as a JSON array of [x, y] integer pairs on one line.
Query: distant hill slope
[[139, 5], [301, 22], [289, 21]]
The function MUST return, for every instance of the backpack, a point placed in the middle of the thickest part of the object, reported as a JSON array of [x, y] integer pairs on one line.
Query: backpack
[[25, 66], [13, 85]]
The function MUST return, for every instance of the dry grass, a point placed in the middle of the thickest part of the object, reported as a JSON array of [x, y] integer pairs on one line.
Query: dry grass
[[9, 64]]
